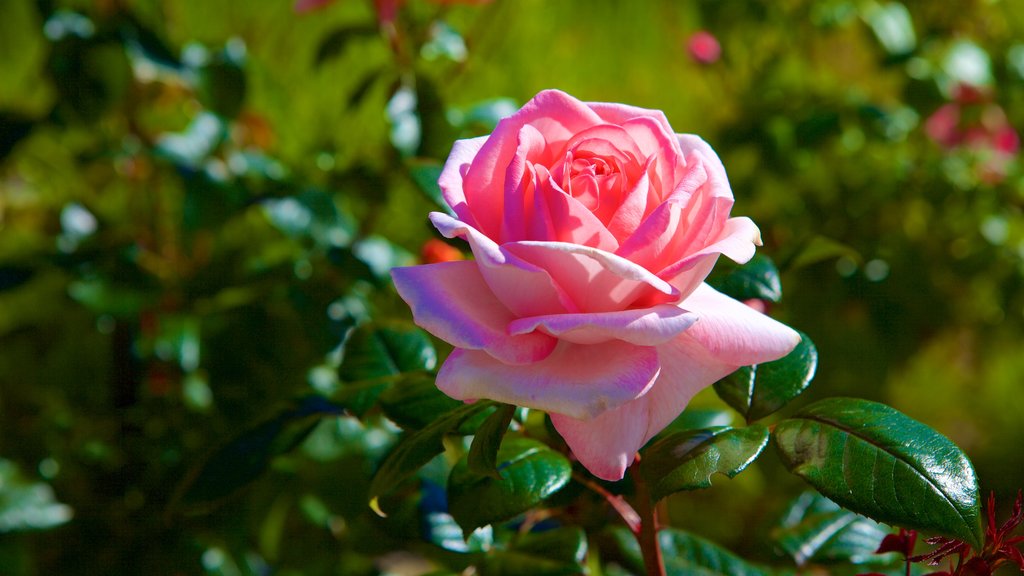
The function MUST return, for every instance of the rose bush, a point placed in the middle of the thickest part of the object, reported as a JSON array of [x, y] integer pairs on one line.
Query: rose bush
[[593, 227]]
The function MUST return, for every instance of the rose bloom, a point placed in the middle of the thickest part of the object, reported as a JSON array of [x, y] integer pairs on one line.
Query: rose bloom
[[593, 227]]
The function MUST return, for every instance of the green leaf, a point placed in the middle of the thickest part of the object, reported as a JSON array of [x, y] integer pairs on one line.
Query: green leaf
[[441, 530], [530, 472], [414, 401], [425, 174], [687, 460], [762, 389], [758, 278], [878, 462], [815, 528], [415, 449], [247, 456], [688, 555], [335, 43], [819, 249], [483, 453], [558, 552], [26, 505], [375, 352]]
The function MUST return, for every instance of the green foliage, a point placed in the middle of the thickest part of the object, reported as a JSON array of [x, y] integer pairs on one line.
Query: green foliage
[[528, 473], [874, 460], [27, 505], [814, 528], [687, 460], [483, 452], [758, 279], [687, 554], [760, 390]]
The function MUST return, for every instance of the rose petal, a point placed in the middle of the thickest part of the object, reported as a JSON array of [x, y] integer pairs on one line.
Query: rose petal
[[577, 380], [555, 115], [451, 301], [524, 288], [690, 144], [736, 241], [607, 443], [620, 114], [644, 327], [520, 185], [735, 333], [595, 280], [451, 179], [558, 217]]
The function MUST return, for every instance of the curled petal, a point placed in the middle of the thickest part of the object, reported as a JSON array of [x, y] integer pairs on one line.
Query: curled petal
[[581, 381], [451, 301], [735, 333], [644, 327], [523, 287], [450, 181], [690, 144], [737, 240], [595, 280], [558, 217]]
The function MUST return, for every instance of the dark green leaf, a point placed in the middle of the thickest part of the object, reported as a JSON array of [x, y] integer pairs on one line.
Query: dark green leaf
[[688, 555], [815, 528], [530, 472], [335, 43], [758, 278], [376, 351], [414, 401], [417, 448], [425, 174], [819, 249], [687, 460], [13, 276], [243, 459], [27, 505], [222, 86], [559, 552], [876, 461], [483, 453], [759, 390]]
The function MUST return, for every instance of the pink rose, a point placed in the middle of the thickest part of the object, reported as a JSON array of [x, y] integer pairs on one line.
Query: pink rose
[[593, 227]]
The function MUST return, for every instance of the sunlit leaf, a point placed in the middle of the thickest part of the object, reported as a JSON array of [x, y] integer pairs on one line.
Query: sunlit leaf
[[530, 472], [759, 390], [687, 460], [874, 460]]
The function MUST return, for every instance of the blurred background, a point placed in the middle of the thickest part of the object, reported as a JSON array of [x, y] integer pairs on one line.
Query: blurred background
[[198, 201]]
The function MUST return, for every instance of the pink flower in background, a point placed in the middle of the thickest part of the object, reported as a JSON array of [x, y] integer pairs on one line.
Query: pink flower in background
[[704, 47], [593, 227], [973, 123]]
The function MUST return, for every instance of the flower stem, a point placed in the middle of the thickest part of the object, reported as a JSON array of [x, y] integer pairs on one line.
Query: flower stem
[[647, 537], [618, 503]]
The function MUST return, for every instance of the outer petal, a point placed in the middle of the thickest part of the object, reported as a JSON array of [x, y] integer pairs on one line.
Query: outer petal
[[735, 333], [450, 181], [451, 301], [577, 380], [555, 115], [595, 280], [644, 327], [607, 443], [524, 288], [690, 143]]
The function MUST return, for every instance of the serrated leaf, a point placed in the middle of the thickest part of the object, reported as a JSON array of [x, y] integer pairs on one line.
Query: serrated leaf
[[415, 449], [558, 552], [762, 389], [415, 401], [878, 462], [758, 278], [530, 472], [247, 456], [687, 460], [815, 528], [483, 452], [685, 554]]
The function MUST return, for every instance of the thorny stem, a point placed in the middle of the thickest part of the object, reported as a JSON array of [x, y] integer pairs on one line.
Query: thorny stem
[[647, 537]]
